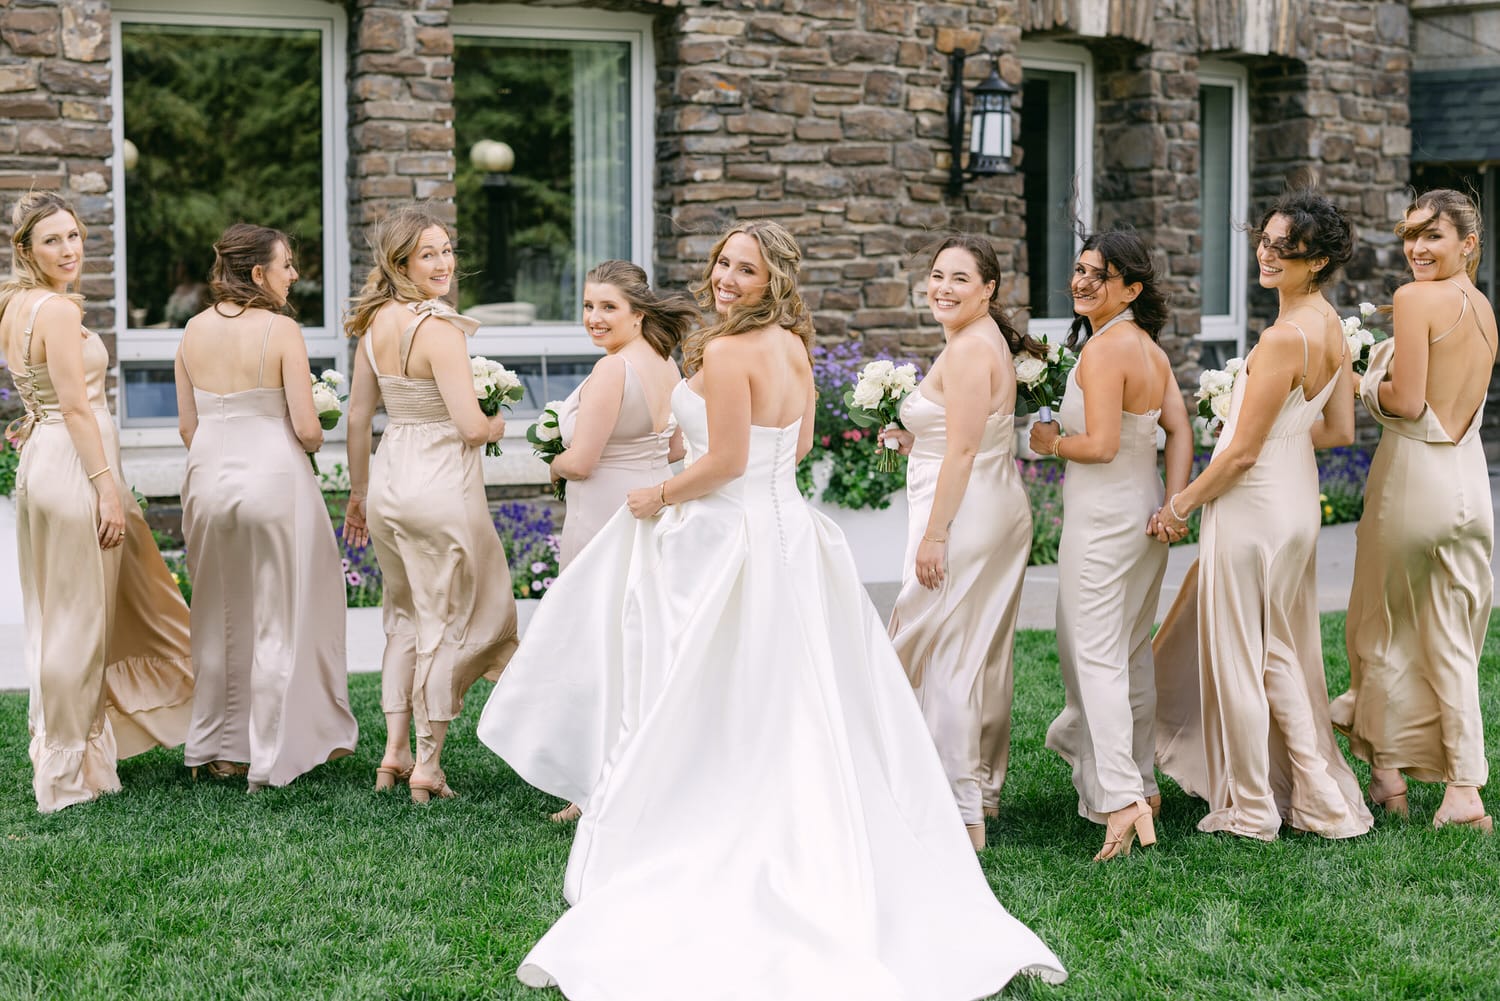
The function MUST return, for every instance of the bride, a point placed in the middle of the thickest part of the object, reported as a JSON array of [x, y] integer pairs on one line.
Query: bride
[[764, 815]]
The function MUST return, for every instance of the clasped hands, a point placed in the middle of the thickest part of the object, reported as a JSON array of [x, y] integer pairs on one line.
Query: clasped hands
[[1166, 527]]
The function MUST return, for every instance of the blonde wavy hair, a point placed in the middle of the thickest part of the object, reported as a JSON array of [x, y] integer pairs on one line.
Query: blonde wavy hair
[[780, 306], [1459, 209], [33, 207], [393, 241]]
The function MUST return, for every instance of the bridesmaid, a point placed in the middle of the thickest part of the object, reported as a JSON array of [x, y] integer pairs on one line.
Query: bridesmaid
[[620, 432], [450, 615], [1420, 605], [618, 423], [1269, 755], [1109, 569], [268, 597], [106, 629], [969, 533]]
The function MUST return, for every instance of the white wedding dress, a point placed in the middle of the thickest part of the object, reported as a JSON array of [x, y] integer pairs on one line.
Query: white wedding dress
[[764, 815]]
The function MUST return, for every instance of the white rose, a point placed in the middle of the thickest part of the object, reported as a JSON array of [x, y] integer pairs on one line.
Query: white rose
[[479, 366], [334, 379], [1212, 381], [1054, 351], [1233, 365], [1355, 345], [1220, 406], [1351, 325], [881, 368], [1029, 370], [547, 432], [868, 394], [904, 378], [324, 398], [506, 379], [553, 408], [1367, 310], [482, 386]]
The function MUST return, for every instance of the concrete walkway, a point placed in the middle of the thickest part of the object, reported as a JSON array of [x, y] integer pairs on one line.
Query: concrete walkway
[[366, 641]]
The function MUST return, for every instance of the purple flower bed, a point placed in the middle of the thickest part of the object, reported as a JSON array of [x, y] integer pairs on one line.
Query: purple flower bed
[[529, 534]]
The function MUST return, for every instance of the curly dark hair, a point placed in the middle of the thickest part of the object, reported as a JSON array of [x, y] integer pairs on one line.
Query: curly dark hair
[[1125, 253], [988, 263], [1315, 228]]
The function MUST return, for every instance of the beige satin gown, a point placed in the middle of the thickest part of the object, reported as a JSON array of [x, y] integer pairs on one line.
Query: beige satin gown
[[1268, 748], [956, 641], [268, 593], [106, 630], [448, 609], [1420, 605], [635, 456], [1109, 574]]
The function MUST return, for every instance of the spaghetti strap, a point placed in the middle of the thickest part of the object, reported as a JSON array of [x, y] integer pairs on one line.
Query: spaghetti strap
[[264, 340], [1463, 311], [408, 336], [1298, 327], [36, 308]]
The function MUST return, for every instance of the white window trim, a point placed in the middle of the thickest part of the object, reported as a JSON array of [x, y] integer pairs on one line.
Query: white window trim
[[157, 344], [1079, 62], [576, 24], [1231, 327]]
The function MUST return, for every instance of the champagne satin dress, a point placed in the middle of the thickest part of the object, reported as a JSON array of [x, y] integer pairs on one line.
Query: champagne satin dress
[[106, 630], [1109, 574], [268, 593], [635, 456], [1269, 752], [956, 641], [449, 611], [1420, 605]]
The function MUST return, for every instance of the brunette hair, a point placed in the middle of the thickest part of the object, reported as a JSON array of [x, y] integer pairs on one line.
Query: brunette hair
[[238, 251], [666, 317], [393, 240], [1315, 228], [1123, 251], [1459, 209], [781, 305], [988, 264], [32, 208]]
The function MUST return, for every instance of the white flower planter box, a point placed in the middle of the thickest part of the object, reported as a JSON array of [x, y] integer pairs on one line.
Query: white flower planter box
[[10, 565], [877, 538]]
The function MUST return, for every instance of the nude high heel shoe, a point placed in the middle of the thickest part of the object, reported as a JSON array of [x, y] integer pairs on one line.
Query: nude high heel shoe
[[1484, 824], [1117, 839]]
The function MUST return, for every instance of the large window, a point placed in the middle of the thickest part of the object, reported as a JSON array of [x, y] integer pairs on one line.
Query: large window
[[231, 116], [1057, 165], [1225, 179], [569, 92]]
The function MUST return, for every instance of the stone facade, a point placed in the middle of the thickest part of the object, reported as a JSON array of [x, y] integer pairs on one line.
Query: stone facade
[[827, 115]]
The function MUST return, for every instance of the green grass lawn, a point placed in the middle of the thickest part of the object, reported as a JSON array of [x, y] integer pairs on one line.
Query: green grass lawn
[[176, 889]]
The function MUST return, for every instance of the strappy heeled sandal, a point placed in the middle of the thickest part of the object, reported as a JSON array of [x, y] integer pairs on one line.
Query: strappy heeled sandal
[[387, 777], [222, 770], [1484, 824], [567, 814], [1118, 841], [422, 793]]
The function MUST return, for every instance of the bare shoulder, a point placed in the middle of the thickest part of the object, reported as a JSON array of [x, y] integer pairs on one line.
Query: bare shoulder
[[56, 310], [1423, 294], [1280, 341], [610, 368], [968, 348], [284, 328]]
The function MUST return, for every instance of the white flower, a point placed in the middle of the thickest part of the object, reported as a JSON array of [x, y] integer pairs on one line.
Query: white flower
[[552, 408], [1030, 371], [1054, 351], [1351, 324], [325, 399], [1212, 381], [479, 366], [1367, 310], [547, 432], [878, 370], [867, 394], [1233, 365], [333, 378], [482, 386], [904, 379], [1220, 405]]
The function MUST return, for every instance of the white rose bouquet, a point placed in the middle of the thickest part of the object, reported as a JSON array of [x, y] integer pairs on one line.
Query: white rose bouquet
[[328, 403], [875, 402], [1215, 387], [1361, 338], [545, 436], [496, 386], [1041, 382]]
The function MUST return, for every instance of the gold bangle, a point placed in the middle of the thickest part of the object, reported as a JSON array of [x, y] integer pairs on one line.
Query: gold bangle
[[1057, 447], [928, 538], [95, 476]]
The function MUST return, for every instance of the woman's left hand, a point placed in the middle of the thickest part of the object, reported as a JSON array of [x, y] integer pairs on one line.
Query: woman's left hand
[[645, 502], [1044, 436], [932, 563]]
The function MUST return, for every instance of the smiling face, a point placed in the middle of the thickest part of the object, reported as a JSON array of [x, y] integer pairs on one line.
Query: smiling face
[[1434, 251], [740, 275], [278, 276], [1289, 274], [57, 249], [956, 295], [430, 266], [608, 317], [1099, 290]]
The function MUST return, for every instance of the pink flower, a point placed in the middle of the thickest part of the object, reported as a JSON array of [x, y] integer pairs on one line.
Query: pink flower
[[825, 440], [354, 578]]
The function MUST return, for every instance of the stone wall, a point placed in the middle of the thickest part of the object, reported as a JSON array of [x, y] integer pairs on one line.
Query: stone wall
[[55, 127]]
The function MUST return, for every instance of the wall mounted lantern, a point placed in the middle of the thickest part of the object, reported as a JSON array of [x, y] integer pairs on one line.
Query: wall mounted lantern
[[990, 137]]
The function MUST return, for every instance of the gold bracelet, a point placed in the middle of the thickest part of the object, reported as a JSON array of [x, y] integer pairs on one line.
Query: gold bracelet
[[95, 476], [1057, 447], [664, 493], [928, 538]]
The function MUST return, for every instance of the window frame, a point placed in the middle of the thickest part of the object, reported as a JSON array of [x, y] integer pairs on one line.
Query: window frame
[[471, 20], [160, 344], [1232, 326], [1078, 61]]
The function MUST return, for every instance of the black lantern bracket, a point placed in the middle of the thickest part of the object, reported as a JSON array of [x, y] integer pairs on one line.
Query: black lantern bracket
[[991, 135]]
